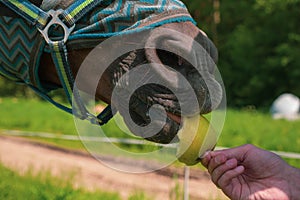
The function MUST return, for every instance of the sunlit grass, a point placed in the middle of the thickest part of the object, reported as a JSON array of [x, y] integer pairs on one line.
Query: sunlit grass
[[44, 186], [241, 127], [258, 128], [34, 115]]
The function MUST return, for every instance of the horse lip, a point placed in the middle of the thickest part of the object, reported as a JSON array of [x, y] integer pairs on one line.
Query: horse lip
[[175, 118]]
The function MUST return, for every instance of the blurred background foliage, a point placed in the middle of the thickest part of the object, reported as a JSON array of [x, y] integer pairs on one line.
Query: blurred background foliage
[[258, 43], [259, 46]]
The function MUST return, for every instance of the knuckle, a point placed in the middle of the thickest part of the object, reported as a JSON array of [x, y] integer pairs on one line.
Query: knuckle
[[249, 146]]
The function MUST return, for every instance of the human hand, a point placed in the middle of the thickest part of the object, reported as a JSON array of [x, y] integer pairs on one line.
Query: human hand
[[247, 172]]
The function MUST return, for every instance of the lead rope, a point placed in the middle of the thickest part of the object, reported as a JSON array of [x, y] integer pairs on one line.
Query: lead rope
[[66, 19]]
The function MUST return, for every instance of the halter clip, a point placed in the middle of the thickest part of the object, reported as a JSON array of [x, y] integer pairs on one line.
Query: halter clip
[[55, 20]]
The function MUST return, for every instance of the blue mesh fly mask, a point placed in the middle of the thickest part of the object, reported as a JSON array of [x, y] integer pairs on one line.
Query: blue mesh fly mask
[[25, 37]]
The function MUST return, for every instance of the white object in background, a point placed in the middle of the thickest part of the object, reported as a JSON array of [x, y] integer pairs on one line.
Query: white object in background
[[286, 106]]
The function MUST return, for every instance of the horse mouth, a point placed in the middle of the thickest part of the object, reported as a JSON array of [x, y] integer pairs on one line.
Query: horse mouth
[[155, 114], [155, 111], [175, 118]]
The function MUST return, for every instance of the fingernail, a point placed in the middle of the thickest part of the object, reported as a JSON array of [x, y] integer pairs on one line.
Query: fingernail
[[204, 155], [231, 163], [220, 159], [239, 169]]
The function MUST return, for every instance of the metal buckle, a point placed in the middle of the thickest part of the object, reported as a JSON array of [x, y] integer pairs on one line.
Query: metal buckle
[[55, 20]]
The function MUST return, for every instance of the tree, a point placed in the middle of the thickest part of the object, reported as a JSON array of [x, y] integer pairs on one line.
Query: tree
[[258, 43]]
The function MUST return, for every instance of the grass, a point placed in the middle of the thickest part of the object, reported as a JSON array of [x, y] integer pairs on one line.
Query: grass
[[44, 187], [241, 126], [34, 115], [258, 128]]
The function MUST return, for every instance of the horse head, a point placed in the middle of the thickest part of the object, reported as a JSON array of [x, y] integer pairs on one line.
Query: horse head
[[166, 53]]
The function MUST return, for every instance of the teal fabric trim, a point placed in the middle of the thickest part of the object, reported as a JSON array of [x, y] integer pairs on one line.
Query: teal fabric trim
[[131, 31], [121, 16]]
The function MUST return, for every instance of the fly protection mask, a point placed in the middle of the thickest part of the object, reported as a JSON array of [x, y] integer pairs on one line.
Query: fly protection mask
[[28, 29]]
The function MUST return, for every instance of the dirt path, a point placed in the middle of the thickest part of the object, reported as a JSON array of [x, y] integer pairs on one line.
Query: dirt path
[[20, 155]]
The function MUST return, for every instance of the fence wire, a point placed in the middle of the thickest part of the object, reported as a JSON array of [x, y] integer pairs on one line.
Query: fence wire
[[292, 155]]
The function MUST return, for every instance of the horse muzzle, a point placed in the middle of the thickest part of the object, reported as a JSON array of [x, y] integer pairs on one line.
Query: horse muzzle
[[175, 78]]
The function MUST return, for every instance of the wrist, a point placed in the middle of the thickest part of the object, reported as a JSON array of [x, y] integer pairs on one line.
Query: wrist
[[293, 179]]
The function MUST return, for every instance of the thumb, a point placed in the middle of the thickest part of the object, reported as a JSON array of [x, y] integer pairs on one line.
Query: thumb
[[238, 153]]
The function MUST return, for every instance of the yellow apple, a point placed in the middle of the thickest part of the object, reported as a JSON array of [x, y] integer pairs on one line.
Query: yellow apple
[[195, 138]]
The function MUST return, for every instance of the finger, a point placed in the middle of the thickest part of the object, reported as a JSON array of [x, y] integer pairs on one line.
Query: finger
[[222, 169], [215, 162], [228, 176], [206, 159], [237, 152]]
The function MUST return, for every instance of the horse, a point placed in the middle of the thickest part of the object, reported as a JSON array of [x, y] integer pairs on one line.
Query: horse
[[45, 44]]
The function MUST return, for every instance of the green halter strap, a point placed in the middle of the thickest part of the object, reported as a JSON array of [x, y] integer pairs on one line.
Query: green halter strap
[[66, 19]]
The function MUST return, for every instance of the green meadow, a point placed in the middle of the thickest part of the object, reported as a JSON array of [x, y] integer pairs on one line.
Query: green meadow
[[252, 126], [241, 127], [45, 187]]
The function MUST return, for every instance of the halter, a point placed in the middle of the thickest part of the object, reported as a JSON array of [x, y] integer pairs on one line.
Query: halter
[[66, 19]]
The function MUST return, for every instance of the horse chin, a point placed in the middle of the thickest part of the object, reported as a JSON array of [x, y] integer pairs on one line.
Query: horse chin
[[154, 121], [168, 134]]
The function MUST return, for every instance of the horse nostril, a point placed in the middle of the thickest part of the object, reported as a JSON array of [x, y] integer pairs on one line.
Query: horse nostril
[[174, 61]]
